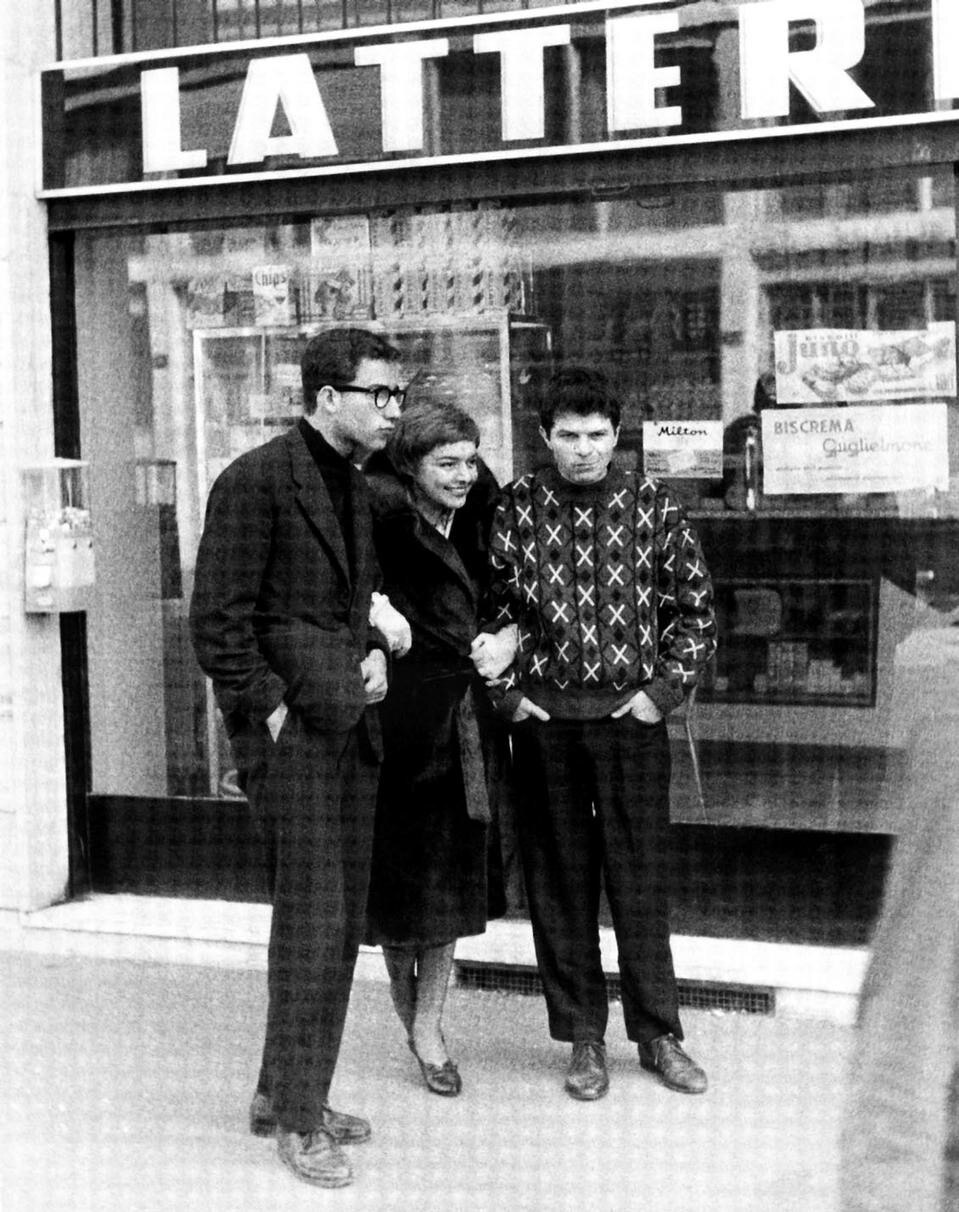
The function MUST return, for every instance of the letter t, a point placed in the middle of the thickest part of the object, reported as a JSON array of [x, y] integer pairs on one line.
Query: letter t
[[401, 87], [523, 93]]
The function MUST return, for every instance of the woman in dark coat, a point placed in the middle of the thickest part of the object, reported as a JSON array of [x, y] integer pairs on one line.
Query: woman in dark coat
[[432, 509]]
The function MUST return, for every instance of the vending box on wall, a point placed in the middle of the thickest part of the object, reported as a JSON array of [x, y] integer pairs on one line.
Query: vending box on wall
[[59, 563]]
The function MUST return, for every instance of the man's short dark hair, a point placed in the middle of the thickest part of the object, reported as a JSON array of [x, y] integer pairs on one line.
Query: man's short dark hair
[[579, 390], [422, 428], [333, 356]]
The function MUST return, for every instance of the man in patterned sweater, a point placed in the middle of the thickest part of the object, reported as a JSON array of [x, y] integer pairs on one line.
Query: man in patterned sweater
[[606, 581]]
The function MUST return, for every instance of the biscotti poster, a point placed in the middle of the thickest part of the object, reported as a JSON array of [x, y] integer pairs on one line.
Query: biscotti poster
[[842, 365]]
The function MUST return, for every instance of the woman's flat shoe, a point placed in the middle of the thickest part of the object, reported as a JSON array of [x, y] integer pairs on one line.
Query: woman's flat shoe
[[441, 1079]]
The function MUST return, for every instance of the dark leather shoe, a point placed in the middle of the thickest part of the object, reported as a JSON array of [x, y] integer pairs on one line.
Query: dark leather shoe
[[586, 1077], [345, 1129], [314, 1157], [664, 1057], [441, 1079]]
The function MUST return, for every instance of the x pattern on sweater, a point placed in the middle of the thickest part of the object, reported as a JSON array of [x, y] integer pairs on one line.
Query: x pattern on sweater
[[610, 592]]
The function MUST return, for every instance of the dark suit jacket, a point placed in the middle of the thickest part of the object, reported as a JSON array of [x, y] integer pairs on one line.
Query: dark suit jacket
[[276, 614]]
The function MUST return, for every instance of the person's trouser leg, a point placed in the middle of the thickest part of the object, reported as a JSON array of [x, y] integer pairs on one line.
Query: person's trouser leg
[[318, 795], [631, 771], [559, 846]]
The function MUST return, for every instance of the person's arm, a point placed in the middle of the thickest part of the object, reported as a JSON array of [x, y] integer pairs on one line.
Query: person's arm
[[504, 610], [374, 671], [388, 623], [231, 559], [687, 621]]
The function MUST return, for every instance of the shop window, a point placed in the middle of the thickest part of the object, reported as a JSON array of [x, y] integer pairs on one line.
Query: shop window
[[818, 305], [891, 192], [795, 642], [188, 347]]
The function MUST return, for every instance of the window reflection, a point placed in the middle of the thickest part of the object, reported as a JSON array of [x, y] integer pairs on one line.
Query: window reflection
[[188, 350]]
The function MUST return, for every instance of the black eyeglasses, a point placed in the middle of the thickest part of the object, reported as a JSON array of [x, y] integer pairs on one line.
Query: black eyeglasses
[[380, 395]]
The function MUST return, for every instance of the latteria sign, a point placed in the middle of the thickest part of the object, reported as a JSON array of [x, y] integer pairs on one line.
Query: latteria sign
[[556, 81]]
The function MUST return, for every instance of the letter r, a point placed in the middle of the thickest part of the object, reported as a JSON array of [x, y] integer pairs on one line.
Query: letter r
[[767, 65]]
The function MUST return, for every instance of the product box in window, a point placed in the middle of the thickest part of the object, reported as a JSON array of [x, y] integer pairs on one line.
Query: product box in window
[[339, 282], [274, 296], [336, 293]]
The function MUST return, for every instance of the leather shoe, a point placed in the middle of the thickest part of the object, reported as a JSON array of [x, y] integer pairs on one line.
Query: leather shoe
[[345, 1129], [586, 1077], [664, 1057], [314, 1157], [441, 1079]]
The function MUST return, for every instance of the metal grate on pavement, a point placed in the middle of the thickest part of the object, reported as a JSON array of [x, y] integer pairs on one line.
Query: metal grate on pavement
[[696, 995]]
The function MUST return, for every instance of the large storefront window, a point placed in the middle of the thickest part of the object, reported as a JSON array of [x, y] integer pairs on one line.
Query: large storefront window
[[772, 346]]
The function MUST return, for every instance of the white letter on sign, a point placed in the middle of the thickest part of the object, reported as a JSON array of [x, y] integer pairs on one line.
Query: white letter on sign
[[632, 78], [401, 87], [766, 64], [523, 97], [160, 116], [285, 80], [945, 62]]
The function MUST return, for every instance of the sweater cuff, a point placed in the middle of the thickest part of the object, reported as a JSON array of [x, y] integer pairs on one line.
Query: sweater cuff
[[504, 701], [667, 696]]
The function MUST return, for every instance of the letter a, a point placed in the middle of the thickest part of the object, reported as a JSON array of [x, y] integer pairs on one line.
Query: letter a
[[285, 80]]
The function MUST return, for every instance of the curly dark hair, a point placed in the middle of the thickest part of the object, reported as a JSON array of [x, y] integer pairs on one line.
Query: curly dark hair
[[580, 390]]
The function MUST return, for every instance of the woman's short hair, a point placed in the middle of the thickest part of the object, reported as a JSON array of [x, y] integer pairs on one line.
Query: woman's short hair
[[424, 426], [579, 390], [333, 357]]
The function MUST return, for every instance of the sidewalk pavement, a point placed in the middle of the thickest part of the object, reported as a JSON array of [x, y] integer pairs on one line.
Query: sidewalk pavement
[[127, 1085]]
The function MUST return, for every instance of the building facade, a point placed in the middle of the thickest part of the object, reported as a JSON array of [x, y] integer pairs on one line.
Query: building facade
[[744, 212]]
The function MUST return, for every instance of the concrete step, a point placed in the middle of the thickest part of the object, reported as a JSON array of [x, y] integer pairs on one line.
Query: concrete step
[[804, 980]]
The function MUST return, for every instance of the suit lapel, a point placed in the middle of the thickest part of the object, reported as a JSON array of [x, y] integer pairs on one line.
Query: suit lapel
[[311, 492]]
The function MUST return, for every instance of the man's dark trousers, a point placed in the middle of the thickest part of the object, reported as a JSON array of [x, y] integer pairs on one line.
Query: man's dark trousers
[[314, 794], [594, 800]]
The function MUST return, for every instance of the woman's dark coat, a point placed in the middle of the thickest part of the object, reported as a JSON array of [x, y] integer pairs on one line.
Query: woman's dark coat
[[429, 882]]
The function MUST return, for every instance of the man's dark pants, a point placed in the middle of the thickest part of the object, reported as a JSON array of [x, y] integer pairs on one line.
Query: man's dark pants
[[594, 801], [314, 794]]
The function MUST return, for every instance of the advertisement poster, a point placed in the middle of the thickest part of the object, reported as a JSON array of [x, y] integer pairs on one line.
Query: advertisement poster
[[859, 449], [273, 296], [339, 285], [843, 365], [683, 449]]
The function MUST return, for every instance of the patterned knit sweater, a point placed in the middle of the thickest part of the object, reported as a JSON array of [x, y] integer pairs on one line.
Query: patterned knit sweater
[[610, 591]]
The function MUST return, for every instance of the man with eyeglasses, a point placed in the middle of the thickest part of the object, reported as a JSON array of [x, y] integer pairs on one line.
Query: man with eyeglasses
[[285, 575]]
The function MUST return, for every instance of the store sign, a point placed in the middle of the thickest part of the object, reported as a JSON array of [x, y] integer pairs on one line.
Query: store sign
[[336, 102], [840, 365], [683, 449], [863, 449]]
